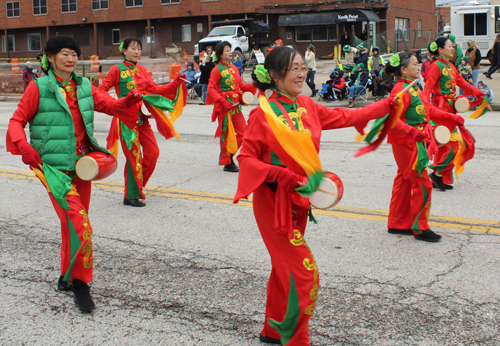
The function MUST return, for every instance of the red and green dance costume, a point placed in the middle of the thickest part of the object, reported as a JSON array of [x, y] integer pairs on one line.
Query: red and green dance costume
[[225, 84], [441, 81], [64, 111], [281, 216], [139, 144]]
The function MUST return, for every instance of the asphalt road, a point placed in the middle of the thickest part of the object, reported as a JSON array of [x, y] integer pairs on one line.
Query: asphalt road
[[191, 268]]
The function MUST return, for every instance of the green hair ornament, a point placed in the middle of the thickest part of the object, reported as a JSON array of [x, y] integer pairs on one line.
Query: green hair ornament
[[394, 60], [262, 74], [121, 47], [45, 62], [433, 46]]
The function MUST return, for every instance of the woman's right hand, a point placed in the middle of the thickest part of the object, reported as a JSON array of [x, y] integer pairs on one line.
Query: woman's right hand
[[417, 135], [29, 154]]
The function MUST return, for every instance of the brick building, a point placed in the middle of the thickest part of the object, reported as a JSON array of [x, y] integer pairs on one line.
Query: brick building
[[100, 25]]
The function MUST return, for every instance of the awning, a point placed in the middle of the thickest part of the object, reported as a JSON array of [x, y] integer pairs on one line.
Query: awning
[[473, 10], [352, 15], [308, 19]]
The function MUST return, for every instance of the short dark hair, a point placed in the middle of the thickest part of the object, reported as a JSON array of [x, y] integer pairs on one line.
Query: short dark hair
[[404, 61], [219, 49], [278, 60], [128, 41]]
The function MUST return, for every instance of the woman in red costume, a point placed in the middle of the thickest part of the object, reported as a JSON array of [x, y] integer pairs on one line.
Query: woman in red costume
[[281, 213], [59, 109], [442, 80], [140, 163], [224, 89], [412, 141]]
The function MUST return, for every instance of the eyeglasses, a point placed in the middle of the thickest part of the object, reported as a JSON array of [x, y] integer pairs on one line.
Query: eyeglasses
[[295, 71]]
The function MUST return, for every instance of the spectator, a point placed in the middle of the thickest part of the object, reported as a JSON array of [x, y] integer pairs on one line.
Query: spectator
[[495, 65], [311, 65], [345, 40], [363, 36], [190, 74], [375, 62], [457, 51], [363, 56], [474, 55], [28, 74], [351, 53], [485, 89], [358, 83], [465, 71], [426, 65], [337, 87], [239, 64], [205, 68]]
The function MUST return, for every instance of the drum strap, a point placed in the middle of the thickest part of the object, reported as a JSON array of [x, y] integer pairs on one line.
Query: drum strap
[[285, 114]]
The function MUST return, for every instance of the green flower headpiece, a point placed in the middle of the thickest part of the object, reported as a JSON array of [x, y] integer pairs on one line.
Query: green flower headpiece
[[433, 47], [310, 45], [45, 62], [262, 74], [121, 47], [214, 57], [394, 60]]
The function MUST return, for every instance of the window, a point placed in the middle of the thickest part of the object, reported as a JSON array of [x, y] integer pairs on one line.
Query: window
[[176, 33], [240, 31], [186, 33], [320, 33], [133, 3], [332, 33], [39, 7], [116, 36], [402, 29], [112, 36], [82, 37], [167, 2], [34, 42], [100, 4], [68, 6], [13, 9], [142, 34], [419, 31], [12, 43], [302, 33], [315, 33], [475, 24]]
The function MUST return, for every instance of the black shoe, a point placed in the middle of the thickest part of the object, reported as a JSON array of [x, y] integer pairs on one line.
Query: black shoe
[[400, 231], [438, 181], [82, 295], [269, 340], [134, 202], [448, 186], [231, 168], [62, 285], [202, 104], [429, 236], [488, 76]]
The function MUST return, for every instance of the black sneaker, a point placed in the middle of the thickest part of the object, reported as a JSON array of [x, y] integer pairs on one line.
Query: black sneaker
[[82, 295], [448, 186], [438, 181], [400, 231], [429, 236], [134, 202], [231, 168], [269, 340], [62, 285]]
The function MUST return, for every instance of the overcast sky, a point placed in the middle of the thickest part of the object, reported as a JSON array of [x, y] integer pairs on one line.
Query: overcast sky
[[457, 2]]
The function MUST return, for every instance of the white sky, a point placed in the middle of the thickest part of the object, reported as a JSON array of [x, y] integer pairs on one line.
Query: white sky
[[456, 2]]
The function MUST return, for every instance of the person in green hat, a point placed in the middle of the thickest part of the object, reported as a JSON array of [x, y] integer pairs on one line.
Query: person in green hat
[[457, 51], [350, 54], [363, 56], [358, 83], [465, 71]]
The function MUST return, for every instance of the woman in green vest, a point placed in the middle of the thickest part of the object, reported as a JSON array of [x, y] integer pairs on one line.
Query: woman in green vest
[[59, 109]]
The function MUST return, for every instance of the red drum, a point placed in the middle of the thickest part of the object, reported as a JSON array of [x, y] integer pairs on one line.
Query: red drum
[[247, 98], [329, 192], [96, 166]]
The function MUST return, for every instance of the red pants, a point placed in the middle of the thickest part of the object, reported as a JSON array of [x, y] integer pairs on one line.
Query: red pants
[[140, 165], [289, 257], [444, 161], [411, 198], [240, 125], [76, 231]]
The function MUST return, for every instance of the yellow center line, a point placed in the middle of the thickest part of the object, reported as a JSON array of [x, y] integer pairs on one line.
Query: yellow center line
[[460, 223]]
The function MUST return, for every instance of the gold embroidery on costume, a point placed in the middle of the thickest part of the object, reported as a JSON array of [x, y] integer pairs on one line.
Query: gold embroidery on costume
[[124, 74], [137, 154], [448, 84], [88, 260], [296, 118], [420, 109], [444, 72], [131, 85]]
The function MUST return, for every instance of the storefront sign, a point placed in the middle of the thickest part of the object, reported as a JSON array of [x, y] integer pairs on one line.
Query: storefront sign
[[348, 18]]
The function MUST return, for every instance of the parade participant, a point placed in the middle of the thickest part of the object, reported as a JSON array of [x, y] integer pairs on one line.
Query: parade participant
[[412, 140], [281, 213], [442, 80], [310, 57], [60, 111], [140, 163], [224, 88]]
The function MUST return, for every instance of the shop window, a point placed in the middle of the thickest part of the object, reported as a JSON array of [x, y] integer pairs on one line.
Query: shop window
[[100, 4], [12, 43], [402, 29], [39, 7], [82, 37], [186, 33], [303, 33], [133, 3], [332, 33], [475, 24], [320, 33], [315, 33], [13, 9], [68, 6], [34, 42]]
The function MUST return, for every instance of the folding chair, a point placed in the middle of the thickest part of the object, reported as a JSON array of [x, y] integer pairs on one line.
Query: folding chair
[[364, 93], [192, 93], [323, 93]]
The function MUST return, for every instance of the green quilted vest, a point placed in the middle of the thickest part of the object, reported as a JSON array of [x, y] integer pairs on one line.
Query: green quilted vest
[[52, 130]]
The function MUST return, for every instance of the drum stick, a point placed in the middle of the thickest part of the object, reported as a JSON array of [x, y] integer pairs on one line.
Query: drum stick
[[408, 87], [41, 167], [425, 143], [319, 189], [185, 80]]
